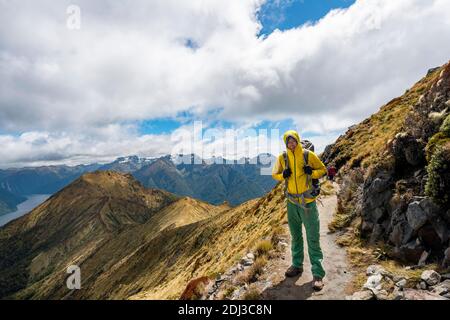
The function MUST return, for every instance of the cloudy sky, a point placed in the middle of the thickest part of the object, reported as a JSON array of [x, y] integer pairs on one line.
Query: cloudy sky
[[131, 77]]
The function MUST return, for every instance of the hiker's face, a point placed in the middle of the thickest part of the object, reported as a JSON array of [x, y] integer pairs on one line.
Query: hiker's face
[[291, 144]]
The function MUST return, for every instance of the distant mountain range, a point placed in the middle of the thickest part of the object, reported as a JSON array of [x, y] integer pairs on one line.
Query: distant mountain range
[[214, 183], [41, 180], [9, 201], [210, 180]]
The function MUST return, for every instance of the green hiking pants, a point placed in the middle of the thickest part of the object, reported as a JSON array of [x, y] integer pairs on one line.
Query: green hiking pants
[[310, 218]]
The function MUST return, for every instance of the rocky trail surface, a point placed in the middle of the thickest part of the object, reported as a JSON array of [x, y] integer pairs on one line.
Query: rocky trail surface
[[335, 264]]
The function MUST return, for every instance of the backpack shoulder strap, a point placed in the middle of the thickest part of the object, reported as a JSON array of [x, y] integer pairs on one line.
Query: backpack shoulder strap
[[286, 162], [306, 156], [308, 177], [286, 166]]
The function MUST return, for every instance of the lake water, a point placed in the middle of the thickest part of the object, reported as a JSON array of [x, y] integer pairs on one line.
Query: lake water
[[32, 202]]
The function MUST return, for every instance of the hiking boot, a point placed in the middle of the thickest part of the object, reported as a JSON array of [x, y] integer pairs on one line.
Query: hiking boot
[[293, 271], [317, 284]]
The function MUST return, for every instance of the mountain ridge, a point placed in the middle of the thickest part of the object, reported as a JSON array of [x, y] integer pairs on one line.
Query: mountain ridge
[[165, 172], [163, 246]]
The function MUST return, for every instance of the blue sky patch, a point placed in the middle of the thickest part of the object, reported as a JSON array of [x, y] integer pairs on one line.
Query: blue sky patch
[[158, 126], [190, 43], [288, 14]]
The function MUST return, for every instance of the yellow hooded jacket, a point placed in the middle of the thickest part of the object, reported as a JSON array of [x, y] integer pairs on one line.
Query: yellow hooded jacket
[[298, 179]]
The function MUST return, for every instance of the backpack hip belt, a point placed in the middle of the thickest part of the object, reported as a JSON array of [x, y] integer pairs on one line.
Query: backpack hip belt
[[302, 196]]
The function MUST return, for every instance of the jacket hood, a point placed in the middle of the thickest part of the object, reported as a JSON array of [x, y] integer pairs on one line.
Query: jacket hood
[[291, 133]]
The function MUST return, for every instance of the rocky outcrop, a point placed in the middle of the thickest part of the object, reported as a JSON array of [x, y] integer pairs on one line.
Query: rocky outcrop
[[384, 285], [404, 197], [420, 223], [408, 150], [377, 192]]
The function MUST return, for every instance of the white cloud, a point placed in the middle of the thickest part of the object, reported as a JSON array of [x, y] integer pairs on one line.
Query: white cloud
[[105, 144], [102, 145], [70, 91]]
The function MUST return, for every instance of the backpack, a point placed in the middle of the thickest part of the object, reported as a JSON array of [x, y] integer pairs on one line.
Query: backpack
[[314, 184], [308, 146]]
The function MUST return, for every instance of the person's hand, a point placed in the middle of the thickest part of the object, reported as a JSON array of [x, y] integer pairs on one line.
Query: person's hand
[[308, 169], [287, 173]]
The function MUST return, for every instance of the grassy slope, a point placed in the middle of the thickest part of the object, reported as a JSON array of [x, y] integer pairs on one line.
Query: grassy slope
[[74, 224], [365, 144], [161, 267], [99, 224]]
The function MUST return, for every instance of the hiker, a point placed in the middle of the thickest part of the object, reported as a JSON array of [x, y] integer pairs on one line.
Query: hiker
[[301, 204], [331, 172]]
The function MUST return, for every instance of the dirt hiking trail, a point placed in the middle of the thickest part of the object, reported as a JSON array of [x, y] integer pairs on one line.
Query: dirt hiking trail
[[338, 273]]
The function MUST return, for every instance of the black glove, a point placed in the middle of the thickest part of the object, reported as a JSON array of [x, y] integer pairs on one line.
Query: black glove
[[308, 169], [287, 173]]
